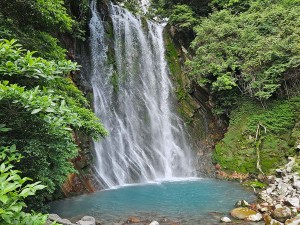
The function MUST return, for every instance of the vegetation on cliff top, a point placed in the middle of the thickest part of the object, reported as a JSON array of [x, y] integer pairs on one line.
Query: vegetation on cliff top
[[246, 53], [250, 53]]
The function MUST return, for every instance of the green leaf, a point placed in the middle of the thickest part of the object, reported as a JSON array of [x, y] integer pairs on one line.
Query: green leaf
[[3, 198], [35, 111]]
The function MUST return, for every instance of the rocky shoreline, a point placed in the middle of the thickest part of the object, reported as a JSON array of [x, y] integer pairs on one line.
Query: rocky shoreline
[[277, 204]]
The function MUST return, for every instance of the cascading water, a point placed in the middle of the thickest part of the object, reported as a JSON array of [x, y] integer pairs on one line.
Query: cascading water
[[147, 139]]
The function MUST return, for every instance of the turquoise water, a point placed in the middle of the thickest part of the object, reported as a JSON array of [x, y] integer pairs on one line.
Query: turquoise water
[[187, 202]]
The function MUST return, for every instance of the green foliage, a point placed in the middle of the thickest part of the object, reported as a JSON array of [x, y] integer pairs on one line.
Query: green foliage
[[255, 184], [249, 52], [46, 45], [183, 17], [44, 109], [237, 150], [234, 5], [38, 23], [14, 189], [164, 7], [41, 14]]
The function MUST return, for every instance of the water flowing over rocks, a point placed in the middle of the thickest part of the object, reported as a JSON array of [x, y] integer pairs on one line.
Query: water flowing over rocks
[[134, 96]]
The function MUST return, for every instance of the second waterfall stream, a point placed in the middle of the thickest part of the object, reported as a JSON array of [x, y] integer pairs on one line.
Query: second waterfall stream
[[134, 99]]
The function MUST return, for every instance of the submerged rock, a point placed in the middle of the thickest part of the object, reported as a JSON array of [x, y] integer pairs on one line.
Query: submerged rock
[[242, 213], [133, 219]]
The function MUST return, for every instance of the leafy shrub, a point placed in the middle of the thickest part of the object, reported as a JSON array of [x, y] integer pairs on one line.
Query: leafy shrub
[[44, 108], [249, 52], [14, 189]]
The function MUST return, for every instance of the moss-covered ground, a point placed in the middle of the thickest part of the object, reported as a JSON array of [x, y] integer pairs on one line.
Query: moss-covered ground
[[276, 139]]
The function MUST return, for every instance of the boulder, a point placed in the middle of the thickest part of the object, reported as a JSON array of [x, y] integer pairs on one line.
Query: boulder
[[241, 203], [269, 221], [297, 185], [56, 218], [293, 202], [281, 214], [255, 218], [87, 220], [225, 219], [154, 223], [242, 213], [293, 221]]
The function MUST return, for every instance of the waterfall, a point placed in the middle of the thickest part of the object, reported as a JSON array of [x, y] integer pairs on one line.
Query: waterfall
[[134, 101]]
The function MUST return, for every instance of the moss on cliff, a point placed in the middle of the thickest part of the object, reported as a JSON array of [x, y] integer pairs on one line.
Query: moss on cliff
[[238, 149], [187, 106]]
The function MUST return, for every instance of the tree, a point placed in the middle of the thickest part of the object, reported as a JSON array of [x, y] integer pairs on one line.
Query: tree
[[247, 52], [46, 111]]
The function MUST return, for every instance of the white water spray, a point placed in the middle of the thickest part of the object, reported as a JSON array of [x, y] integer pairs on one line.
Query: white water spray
[[147, 138]]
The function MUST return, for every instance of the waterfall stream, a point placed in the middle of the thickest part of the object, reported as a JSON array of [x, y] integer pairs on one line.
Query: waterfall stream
[[134, 99]]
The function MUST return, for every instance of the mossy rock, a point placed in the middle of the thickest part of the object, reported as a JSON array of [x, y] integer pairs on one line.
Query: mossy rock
[[242, 213]]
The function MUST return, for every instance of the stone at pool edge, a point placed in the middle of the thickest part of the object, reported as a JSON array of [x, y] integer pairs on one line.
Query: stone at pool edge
[[225, 219], [87, 220], [242, 213], [281, 214], [55, 217]]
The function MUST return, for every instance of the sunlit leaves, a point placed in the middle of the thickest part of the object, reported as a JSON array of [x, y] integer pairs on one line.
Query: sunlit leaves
[[14, 189]]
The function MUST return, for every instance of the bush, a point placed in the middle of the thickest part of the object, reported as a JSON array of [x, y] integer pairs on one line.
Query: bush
[[46, 111], [14, 189]]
